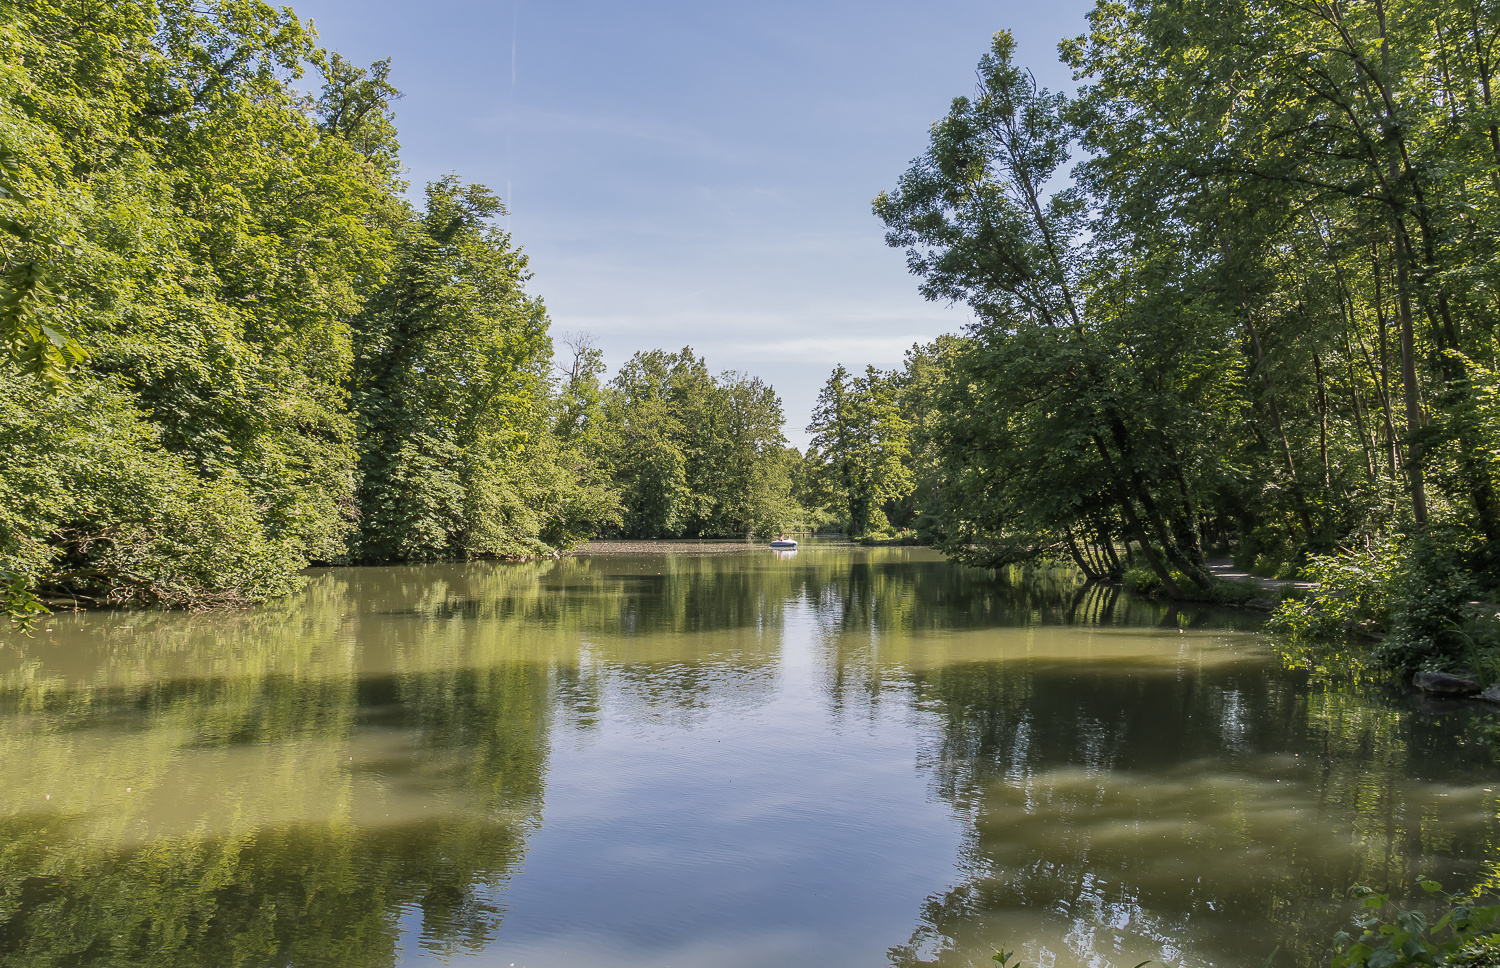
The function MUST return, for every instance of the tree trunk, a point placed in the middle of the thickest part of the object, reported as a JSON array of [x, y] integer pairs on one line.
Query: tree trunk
[[1078, 559], [1322, 422], [1133, 523], [1413, 461], [1107, 543]]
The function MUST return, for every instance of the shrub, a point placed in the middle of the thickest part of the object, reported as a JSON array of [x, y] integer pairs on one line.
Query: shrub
[[1464, 935], [92, 508], [1142, 581], [1350, 590], [1417, 588]]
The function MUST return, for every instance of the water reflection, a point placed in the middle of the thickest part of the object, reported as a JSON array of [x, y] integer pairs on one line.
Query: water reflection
[[717, 759], [1207, 813]]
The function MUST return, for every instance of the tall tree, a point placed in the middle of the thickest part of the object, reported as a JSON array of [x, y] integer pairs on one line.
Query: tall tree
[[859, 447]]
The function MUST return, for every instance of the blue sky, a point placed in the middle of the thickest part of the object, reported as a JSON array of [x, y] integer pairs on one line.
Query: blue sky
[[698, 173]]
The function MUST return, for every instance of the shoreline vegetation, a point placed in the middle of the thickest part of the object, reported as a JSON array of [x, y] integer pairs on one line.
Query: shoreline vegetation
[[231, 347], [1255, 314]]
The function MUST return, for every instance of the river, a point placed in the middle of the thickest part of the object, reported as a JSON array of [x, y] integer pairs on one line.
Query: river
[[838, 757]]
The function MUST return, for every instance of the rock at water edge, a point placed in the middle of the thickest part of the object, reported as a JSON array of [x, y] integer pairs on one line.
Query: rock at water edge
[[1442, 684]]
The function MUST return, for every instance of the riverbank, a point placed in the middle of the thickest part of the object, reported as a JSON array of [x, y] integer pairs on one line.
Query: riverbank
[[680, 546], [849, 752]]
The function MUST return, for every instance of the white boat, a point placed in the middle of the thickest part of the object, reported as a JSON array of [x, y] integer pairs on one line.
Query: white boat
[[783, 543]]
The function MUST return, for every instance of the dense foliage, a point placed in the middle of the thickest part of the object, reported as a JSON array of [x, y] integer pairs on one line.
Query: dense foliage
[[691, 454], [457, 457], [199, 233], [229, 347], [1259, 313]]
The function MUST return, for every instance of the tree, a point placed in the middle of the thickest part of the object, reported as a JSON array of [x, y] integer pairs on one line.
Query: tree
[[451, 394], [217, 233], [975, 218], [859, 446]]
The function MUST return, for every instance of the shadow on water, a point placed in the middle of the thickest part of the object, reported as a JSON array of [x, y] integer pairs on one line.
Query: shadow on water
[[356, 776], [1124, 812]]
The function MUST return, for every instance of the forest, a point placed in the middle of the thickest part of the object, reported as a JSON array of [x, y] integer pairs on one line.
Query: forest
[[233, 348], [1256, 316], [1237, 294]]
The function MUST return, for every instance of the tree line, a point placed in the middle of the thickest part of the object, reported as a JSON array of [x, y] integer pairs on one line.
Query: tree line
[[230, 346], [1257, 313]]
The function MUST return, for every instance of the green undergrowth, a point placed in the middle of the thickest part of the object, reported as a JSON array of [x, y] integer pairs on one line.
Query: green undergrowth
[[1417, 602], [1144, 581], [1463, 931]]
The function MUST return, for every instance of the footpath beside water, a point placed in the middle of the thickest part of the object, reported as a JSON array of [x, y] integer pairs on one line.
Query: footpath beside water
[[1225, 568]]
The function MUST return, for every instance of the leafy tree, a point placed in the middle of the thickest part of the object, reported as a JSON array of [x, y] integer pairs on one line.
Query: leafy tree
[[232, 250], [452, 397], [212, 242], [859, 447], [695, 455], [1043, 398]]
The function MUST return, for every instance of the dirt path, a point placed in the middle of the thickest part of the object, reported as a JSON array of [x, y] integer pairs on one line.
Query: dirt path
[[1224, 568]]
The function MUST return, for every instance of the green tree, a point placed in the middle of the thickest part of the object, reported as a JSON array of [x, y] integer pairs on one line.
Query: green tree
[[859, 447], [696, 455], [1040, 399], [451, 392], [187, 239], [212, 242]]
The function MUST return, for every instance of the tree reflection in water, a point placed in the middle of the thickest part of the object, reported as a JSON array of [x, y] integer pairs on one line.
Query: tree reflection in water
[[1190, 815], [351, 776]]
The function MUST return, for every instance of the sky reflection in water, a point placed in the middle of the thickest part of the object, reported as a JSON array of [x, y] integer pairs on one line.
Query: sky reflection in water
[[846, 757]]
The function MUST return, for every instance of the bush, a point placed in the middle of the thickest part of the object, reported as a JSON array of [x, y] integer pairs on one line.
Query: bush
[[1429, 604], [1350, 591], [1415, 588], [1464, 935], [92, 509], [1142, 581]]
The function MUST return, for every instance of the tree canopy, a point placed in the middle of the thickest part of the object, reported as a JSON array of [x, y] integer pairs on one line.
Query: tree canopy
[[231, 347], [1256, 314]]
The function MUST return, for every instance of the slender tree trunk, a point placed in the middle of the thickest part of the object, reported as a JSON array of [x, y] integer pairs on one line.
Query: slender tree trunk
[[1107, 542], [1387, 411], [1078, 559], [1186, 525], [1322, 422], [1366, 441], [1133, 523], [1286, 446], [1413, 463]]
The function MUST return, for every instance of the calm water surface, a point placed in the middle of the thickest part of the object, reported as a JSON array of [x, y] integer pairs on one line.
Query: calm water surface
[[844, 757]]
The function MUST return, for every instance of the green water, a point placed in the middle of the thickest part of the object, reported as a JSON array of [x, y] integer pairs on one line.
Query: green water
[[839, 757]]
